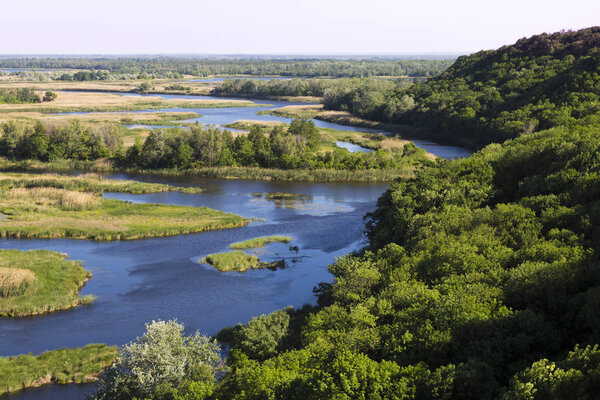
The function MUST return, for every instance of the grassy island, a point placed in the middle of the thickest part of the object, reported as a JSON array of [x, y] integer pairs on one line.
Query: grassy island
[[61, 366], [259, 242], [39, 206], [238, 261], [38, 282]]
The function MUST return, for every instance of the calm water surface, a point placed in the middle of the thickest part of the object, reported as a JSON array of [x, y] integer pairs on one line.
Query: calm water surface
[[138, 281]]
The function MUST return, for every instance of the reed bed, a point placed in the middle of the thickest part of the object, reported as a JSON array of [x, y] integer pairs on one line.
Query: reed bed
[[53, 283], [238, 261], [15, 281], [259, 242], [79, 365], [89, 182], [68, 200]]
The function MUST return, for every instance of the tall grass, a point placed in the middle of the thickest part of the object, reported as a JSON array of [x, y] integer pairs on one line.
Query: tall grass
[[259, 242], [52, 283], [238, 261], [15, 281], [61, 366], [89, 182], [67, 200]]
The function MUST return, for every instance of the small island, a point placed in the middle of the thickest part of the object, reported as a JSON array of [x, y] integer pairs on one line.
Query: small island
[[39, 206], [39, 281], [239, 261], [259, 242]]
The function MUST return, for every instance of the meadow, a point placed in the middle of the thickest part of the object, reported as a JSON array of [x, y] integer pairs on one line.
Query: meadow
[[238, 261]]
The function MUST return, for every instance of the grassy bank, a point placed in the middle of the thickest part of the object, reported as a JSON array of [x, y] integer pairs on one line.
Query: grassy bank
[[259, 242], [248, 173], [340, 117], [57, 213], [61, 366], [86, 183], [238, 261], [39, 281]]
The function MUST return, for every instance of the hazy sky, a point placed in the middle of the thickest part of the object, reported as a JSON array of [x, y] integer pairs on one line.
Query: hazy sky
[[280, 26]]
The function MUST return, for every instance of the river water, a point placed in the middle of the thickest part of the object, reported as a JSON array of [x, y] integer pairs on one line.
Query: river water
[[162, 278]]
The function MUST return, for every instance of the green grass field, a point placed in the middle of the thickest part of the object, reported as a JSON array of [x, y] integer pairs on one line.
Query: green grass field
[[55, 285], [61, 366]]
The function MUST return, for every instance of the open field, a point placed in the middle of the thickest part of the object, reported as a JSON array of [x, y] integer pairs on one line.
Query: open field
[[110, 102], [259, 242], [53, 283], [60, 366], [127, 86], [238, 261]]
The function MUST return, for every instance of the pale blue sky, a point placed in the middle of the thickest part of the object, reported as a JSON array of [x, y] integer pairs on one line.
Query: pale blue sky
[[279, 26]]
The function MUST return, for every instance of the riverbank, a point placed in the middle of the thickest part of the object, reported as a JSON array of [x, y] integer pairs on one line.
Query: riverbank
[[62, 366], [245, 173]]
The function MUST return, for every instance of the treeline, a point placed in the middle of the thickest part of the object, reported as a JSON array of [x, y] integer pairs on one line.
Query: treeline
[[91, 75], [46, 142], [23, 95], [296, 147], [304, 87], [171, 67], [538, 83]]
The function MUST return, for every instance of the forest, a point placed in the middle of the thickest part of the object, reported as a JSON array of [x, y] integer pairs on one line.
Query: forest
[[491, 96], [173, 67]]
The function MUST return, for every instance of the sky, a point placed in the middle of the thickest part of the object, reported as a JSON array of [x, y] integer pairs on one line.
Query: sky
[[280, 26]]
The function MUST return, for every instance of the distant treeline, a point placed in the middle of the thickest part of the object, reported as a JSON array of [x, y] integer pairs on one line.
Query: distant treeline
[[166, 67], [303, 87]]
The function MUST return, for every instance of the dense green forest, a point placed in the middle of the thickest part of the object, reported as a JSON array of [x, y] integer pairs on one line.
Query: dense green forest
[[173, 67], [490, 96], [312, 87], [23, 95]]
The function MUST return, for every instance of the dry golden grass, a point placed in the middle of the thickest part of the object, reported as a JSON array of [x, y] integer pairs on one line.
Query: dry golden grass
[[67, 200], [15, 281]]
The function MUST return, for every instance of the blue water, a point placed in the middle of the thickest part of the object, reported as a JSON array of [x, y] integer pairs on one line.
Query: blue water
[[352, 148], [139, 281]]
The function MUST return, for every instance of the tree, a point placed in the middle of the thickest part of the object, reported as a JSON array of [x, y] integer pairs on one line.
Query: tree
[[161, 360], [49, 96]]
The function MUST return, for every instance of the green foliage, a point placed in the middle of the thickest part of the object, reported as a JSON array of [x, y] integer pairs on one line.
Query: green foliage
[[238, 261], [22, 140], [296, 147], [19, 95], [161, 361]]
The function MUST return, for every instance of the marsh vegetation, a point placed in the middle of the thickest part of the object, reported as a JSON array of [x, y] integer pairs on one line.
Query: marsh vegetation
[[38, 282]]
